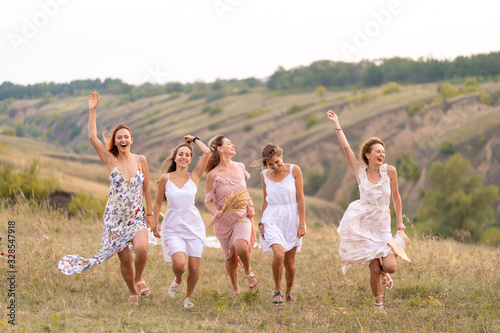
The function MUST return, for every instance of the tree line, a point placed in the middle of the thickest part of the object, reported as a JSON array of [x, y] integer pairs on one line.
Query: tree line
[[325, 73]]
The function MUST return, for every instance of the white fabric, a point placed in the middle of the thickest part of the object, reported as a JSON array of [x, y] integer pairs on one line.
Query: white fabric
[[281, 216], [182, 222], [365, 227]]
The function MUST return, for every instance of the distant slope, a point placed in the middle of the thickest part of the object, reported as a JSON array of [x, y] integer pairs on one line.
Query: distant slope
[[250, 120]]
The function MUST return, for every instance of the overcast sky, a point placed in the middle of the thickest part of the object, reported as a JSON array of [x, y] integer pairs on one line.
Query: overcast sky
[[187, 40]]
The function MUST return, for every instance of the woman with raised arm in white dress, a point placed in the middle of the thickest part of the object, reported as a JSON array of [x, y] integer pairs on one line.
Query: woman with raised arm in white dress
[[365, 228], [182, 230]]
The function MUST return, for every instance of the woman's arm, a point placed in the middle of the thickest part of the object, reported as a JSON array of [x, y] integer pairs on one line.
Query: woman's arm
[[101, 151], [349, 154], [155, 227], [396, 198], [262, 229], [301, 203], [210, 204], [202, 162], [146, 190]]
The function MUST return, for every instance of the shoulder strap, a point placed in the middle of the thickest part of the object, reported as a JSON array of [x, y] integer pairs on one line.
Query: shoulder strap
[[116, 162], [291, 168], [138, 163]]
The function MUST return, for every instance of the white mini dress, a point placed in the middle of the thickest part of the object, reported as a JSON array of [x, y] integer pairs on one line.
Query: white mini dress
[[182, 228], [281, 216]]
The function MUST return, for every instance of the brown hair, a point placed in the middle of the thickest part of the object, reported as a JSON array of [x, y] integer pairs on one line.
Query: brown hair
[[169, 165], [214, 158], [268, 151], [366, 148], [110, 142]]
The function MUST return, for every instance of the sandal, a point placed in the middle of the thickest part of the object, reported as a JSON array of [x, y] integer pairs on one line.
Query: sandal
[[290, 299], [387, 281], [144, 291], [252, 281], [235, 294], [278, 298], [379, 307], [133, 300], [187, 304]]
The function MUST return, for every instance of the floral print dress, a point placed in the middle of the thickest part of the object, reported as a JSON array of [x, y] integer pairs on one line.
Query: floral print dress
[[123, 218], [365, 227]]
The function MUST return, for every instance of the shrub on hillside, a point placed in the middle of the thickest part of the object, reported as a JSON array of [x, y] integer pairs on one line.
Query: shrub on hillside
[[28, 182], [391, 88], [486, 98], [408, 168], [255, 113], [471, 85], [311, 121], [86, 205], [295, 108], [445, 91], [447, 147], [415, 107], [313, 182], [455, 200], [247, 127]]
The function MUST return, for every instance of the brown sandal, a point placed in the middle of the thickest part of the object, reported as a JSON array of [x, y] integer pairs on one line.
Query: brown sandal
[[252, 281]]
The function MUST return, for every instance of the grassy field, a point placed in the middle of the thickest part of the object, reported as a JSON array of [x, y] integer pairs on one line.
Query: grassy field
[[448, 287]]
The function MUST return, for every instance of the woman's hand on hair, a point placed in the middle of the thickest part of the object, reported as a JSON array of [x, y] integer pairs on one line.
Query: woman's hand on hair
[[188, 138]]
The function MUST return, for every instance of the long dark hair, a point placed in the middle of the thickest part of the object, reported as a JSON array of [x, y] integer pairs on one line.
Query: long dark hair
[[214, 158], [110, 142]]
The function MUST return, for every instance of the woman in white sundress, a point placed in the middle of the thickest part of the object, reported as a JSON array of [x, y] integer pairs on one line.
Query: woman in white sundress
[[283, 223], [365, 228], [182, 230]]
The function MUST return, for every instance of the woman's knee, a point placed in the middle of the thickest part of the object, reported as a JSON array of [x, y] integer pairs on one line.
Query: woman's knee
[[389, 268], [375, 269], [290, 266]]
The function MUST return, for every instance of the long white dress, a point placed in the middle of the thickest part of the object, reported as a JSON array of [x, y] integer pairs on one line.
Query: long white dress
[[182, 228], [281, 216], [365, 228]]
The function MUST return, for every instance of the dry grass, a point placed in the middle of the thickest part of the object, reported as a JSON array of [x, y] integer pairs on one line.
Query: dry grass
[[447, 287]]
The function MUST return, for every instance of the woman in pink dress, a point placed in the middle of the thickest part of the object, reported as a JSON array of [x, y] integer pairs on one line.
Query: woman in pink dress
[[365, 227], [234, 231]]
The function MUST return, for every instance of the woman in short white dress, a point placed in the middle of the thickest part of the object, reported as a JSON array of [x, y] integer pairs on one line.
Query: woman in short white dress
[[182, 230], [365, 228], [283, 223]]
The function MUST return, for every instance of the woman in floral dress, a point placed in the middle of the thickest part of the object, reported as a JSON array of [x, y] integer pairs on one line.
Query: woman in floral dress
[[234, 230], [365, 228], [124, 218]]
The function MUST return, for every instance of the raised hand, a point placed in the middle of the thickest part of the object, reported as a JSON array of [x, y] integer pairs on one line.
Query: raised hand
[[332, 116], [93, 101], [188, 138]]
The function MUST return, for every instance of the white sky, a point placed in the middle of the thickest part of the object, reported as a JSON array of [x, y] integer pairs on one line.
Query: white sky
[[188, 40]]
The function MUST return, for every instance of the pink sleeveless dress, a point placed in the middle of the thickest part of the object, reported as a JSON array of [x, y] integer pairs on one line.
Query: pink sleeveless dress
[[123, 218], [228, 229], [365, 227]]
